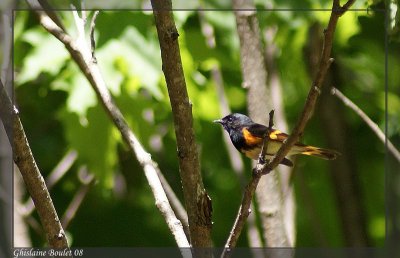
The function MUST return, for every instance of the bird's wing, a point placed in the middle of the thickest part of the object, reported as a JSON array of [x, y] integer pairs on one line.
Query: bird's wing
[[259, 130]]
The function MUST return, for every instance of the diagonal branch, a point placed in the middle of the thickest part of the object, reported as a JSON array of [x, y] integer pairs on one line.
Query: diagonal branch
[[374, 127], [55, 175], [248, 194], [81, 54], [33, 179], [316, 86], [306, 114], [76, 202]]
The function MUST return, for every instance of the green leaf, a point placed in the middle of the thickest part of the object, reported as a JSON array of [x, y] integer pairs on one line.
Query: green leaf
[[48, 55], [81, 95], [131, 56]]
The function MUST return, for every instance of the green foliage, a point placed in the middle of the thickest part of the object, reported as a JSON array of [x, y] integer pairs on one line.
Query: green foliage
[[39, 58], [60, 111]]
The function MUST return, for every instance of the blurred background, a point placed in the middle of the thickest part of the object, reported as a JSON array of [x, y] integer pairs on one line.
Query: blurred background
[[99, 188]]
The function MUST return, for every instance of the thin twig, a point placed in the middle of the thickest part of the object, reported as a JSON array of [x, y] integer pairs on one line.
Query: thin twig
[[83, 12], [55, 175], [374, 127], [76, 202], [79, 24], [51, 13], [80, 52], [264, 147], [248, 194], [61, 168], [92, 41], [176, 205]]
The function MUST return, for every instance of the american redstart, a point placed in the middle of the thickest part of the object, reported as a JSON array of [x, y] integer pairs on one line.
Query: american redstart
[[247, 136]]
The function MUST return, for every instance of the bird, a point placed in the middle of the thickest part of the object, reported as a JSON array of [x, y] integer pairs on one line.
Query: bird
[[247, 137]]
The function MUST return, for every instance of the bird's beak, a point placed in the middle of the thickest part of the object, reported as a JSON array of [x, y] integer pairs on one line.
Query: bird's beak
[[219, 121]]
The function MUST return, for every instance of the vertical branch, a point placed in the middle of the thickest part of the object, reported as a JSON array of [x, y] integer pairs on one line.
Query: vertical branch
[[6, 164], [30, 172], [254, 73], [253, 232], [198, 203], [92, 41], [285, 173], [252, 60]]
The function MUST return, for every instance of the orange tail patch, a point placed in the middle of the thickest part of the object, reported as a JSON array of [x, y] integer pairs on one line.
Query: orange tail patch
[[320, 153]]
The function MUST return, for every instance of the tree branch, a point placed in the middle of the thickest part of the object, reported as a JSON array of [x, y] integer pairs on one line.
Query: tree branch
[[82, 55], [253, 232], [51, 13], [374, 127], [254, 73], [308, 109], [264, 147], [76, 202], [176, 204], [244, 209], [284, 173], [316, 86], [92, 41], [55, 175], [33, 179], [198, 203]]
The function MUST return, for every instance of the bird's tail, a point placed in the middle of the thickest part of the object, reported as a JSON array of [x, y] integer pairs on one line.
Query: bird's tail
[[317, 152]]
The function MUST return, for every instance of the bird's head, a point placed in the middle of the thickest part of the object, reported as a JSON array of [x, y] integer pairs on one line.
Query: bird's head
[[234, 121]]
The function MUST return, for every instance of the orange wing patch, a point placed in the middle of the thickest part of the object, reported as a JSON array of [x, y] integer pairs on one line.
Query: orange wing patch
[[249, 138]]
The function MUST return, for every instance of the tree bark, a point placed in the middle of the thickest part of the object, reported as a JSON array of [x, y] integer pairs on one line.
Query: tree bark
[[255, 81], [33, 179], [197, 201]]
